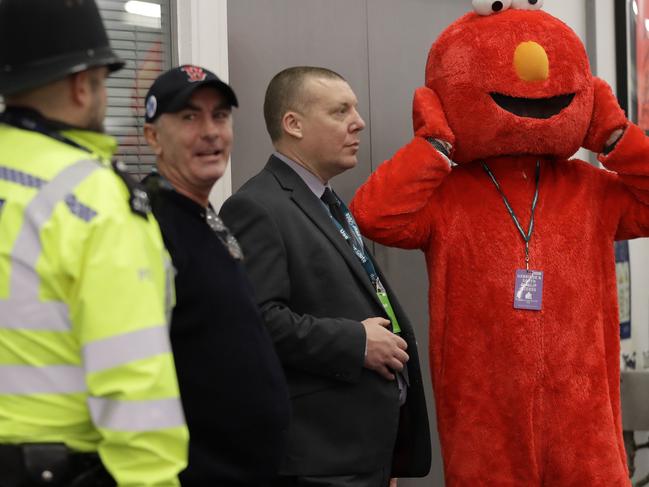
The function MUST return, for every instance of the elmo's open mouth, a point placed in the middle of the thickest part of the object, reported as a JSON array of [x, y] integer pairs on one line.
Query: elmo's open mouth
[[533, 107]]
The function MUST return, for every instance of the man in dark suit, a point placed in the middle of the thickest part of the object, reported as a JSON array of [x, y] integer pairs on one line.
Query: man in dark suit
[[359, 415], [231, 382]]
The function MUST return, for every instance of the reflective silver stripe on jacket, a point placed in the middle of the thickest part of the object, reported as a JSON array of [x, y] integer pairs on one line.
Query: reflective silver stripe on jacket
[[136, 416], [52, 379], [121, 349], [23, 309]]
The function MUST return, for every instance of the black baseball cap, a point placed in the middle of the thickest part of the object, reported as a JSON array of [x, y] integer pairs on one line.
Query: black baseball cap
[[171, 91]]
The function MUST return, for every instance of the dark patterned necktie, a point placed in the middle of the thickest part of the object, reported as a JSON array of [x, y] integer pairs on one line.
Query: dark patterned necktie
[[332, 201]]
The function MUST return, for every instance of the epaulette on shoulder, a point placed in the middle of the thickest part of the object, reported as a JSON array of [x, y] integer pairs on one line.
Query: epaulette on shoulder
[[139, 200]]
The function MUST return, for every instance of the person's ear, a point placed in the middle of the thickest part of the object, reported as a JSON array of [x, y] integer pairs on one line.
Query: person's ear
[[80, 89], [292, 124], [152, 137]]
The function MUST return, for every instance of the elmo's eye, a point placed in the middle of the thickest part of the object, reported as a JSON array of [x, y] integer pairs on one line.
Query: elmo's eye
[[488, 7], [527, 4]]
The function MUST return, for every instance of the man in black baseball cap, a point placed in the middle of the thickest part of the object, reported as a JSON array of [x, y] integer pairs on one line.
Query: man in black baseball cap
[[231, 383]]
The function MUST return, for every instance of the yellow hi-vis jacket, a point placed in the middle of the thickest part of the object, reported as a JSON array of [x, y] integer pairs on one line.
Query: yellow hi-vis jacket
[[84, 349]]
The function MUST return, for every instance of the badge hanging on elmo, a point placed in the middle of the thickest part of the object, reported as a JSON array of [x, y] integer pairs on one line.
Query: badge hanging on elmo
[[524, 333]]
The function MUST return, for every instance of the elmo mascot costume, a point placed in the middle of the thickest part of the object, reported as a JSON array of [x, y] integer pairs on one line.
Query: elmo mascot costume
[[518, 238]]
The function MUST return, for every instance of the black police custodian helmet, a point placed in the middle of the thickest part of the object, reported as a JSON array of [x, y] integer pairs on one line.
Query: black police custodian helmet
[[45, 40]]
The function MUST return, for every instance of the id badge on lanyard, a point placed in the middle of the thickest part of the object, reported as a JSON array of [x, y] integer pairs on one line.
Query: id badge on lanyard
[[528, 287], [385, 301]]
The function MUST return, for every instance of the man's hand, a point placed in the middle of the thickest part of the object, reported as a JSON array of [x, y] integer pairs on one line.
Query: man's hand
[[428, 116], [385, 351], [608, 120], [393, 482]]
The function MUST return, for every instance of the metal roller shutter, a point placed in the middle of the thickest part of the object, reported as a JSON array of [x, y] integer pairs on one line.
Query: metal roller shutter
[[144, 41]]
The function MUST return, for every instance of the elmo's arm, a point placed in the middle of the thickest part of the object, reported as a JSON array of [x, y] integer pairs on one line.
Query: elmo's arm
[[630, 192], [390, 207], [628, 156]]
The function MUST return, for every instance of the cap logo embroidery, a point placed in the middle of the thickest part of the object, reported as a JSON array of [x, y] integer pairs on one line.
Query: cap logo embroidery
[[151, 106], [194, 73]]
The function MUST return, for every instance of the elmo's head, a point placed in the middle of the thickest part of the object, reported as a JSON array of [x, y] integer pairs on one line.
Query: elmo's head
[[512, 80]]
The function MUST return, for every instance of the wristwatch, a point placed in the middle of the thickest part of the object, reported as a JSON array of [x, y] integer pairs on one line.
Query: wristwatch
[[440, 146]]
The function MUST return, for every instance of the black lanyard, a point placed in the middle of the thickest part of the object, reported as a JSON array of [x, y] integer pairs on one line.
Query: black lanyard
[[356, 242], [33, 121], [526, 236]]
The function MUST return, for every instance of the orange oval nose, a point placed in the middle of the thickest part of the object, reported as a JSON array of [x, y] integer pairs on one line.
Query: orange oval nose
[[531, 62]]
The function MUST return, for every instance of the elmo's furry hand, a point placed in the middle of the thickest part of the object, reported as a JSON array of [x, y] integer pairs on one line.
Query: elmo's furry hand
[[607, 118], [428, 117]]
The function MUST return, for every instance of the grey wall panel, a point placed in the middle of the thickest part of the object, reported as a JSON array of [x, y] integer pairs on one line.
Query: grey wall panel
[[400, 35], [266, 36]]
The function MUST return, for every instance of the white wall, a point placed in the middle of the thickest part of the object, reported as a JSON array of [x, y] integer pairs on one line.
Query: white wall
[[202, 32]]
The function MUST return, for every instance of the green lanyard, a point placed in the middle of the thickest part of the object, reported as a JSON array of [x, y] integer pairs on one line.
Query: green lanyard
[[526, 236]]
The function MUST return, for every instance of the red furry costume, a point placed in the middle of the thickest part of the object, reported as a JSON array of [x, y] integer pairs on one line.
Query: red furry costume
[[524, 398]]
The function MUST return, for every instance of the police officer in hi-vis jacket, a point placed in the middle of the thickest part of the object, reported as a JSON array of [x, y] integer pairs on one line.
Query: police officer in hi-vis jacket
[[88, 390]]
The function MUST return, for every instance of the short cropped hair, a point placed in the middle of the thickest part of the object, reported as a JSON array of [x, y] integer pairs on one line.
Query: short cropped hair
[[285, 93]]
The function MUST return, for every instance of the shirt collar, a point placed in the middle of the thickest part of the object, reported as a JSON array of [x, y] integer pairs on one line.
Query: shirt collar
[[311, 180]]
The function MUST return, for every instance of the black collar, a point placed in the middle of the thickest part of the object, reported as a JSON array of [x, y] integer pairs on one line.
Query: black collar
[[156, 185], [30, 119]]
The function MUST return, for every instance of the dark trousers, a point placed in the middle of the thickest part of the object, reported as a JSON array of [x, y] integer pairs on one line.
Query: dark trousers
[[380, 478]]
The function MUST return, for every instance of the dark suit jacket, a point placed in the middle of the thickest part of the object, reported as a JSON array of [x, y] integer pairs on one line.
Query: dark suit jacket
[[313, 292]]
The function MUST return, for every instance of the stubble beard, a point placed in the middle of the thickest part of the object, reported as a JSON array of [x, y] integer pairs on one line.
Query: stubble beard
[[96, 119]]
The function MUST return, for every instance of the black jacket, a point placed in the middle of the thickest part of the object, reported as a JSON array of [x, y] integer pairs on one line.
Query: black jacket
[[231, 383], [313, 293]]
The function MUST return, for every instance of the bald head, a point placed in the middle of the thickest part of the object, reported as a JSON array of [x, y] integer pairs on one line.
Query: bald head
[[286, 92]]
